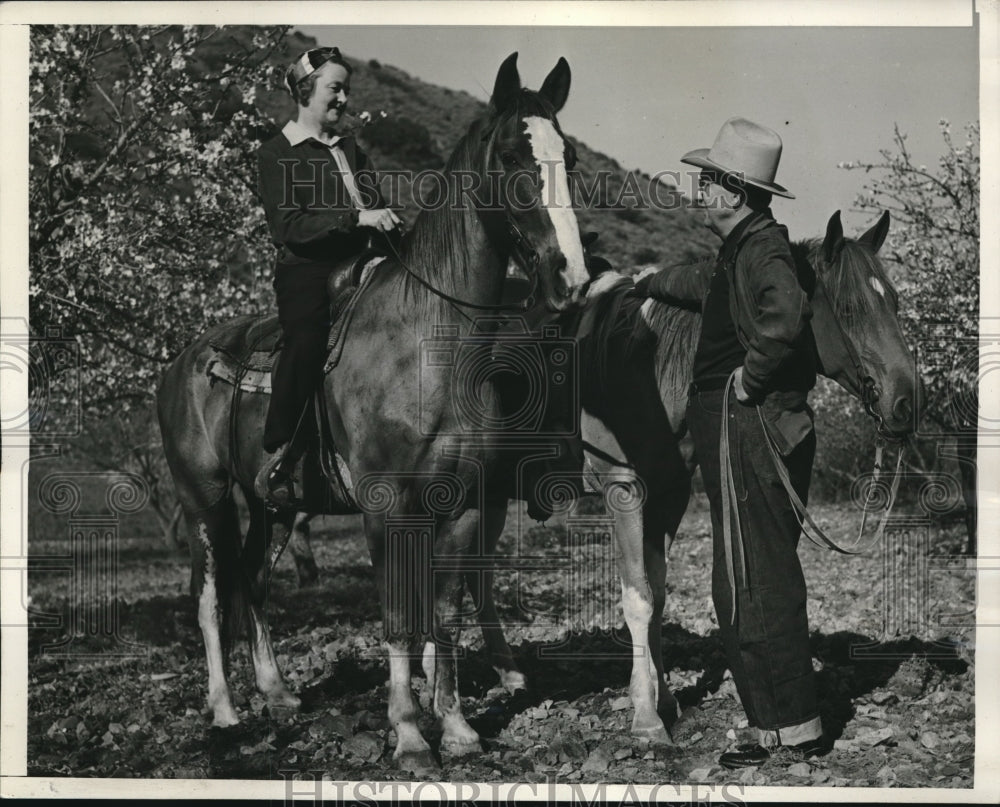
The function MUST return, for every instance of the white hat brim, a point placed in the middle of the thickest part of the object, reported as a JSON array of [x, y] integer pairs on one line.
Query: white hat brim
[[699, 158]]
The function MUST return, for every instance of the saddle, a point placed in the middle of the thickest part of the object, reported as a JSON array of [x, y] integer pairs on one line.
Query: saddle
[[245, 356], [248, 354]]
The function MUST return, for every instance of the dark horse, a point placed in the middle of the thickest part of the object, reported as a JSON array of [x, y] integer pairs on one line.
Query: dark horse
[[418, 469], [636, 367]]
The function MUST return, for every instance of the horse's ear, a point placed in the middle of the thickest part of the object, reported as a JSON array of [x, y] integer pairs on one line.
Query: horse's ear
[[875, 237], [555, 88], [833, 243], [508, 83]]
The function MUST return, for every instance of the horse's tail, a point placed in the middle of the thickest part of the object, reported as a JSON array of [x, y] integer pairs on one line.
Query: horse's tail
[[219, 580], [231, 580]]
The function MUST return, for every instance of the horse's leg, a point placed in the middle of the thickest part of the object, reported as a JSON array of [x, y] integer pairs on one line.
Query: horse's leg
[[412, 751], [666, 472], [456, 537], [221, 592], [480, 583], [298, 544], [255, 559], [638, 603], [661, 516]]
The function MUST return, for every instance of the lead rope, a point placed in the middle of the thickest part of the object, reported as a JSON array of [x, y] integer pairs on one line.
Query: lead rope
[[730, 512], [810, 528]]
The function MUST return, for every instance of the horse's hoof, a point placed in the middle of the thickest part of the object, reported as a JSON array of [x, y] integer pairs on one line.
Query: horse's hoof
[[457, 749], [670, 711], [656, 734], [307, 573], [283, 700], [512, 680], [223, 713], [419, 763]]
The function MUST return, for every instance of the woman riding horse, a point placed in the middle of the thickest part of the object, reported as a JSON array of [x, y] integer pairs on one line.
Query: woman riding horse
[[322, 203], [395, 413]]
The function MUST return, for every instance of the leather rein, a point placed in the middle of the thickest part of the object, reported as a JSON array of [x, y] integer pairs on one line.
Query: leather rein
[[868, 393], [526, 256]]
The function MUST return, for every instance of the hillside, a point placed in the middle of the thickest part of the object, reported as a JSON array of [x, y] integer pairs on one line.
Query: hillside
[[424, 121]]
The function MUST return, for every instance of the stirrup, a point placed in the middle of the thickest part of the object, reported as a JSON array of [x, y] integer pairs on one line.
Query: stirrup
[[274, 485]]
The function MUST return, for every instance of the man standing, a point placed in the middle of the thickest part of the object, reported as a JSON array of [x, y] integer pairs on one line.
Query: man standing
[[322, 204], [753, 364]]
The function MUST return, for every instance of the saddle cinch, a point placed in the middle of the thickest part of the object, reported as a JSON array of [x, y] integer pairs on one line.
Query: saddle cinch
[[245, 358]]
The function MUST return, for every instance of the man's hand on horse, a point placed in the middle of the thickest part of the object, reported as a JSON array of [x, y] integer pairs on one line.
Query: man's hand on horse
[[605, 282], [382, 219]]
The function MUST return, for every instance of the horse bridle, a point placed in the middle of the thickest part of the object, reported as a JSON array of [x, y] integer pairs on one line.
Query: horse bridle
[[528, 255], [868, 391], [524, 253]]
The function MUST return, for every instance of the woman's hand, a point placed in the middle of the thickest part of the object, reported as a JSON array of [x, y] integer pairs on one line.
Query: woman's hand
[[382, 219]]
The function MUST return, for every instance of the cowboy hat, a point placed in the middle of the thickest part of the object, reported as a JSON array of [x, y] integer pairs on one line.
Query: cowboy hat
[[747, 151]]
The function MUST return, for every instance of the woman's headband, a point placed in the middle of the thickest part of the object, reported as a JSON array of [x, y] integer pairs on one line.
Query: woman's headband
[[309, 62]]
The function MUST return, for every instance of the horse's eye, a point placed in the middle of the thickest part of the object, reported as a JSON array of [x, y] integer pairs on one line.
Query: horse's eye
[[508, 158]]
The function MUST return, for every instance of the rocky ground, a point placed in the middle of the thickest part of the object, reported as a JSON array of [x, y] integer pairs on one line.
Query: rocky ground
[[901, 707]]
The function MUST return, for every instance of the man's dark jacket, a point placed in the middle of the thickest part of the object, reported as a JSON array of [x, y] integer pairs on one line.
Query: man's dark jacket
[[771, 312]]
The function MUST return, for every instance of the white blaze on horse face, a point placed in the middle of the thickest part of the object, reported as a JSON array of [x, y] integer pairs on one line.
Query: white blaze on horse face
[[877, 285], [548, 149]]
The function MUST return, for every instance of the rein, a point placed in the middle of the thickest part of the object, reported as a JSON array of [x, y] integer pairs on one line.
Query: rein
[[528, 255], [809, 527]]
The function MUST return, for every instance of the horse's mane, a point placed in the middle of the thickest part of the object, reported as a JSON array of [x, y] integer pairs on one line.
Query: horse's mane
[[437, 247], [676, 331], [847, 280], [438, 242]]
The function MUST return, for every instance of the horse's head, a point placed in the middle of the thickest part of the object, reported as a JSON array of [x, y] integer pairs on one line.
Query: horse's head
[[855, 321], [528, 157]]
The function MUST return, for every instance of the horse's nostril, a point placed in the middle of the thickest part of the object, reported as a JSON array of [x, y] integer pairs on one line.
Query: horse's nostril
[[902, 410]]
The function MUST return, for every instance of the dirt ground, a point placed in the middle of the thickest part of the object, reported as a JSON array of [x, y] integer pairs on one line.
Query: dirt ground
[[900, 703]]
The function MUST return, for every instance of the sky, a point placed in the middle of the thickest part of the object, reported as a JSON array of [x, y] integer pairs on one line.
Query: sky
[[647, 95]]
